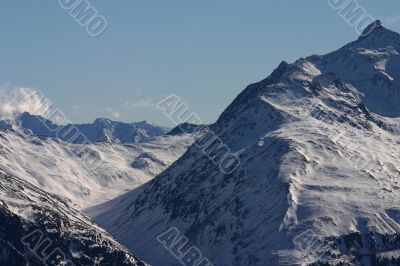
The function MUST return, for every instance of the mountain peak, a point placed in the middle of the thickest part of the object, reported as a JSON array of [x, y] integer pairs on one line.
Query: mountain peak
[[27, 115], [376, 36], [376, 25], [102, 121], [378, 22]]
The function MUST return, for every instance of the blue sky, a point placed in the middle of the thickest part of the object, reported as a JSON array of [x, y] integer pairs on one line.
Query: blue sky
[[204, 51]]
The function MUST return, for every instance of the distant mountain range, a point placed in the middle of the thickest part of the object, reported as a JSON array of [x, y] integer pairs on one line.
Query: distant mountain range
[[101, 130]]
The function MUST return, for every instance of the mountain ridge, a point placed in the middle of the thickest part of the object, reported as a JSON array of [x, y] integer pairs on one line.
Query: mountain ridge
[[101, 130], [318, 143]]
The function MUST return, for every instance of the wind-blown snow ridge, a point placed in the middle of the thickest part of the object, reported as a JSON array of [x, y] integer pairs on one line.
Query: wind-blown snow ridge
[[319, 146]]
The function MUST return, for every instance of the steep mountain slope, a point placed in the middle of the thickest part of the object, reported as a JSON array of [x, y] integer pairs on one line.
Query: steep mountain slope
[[318, 183], [36, 228], [87, 174], [101, 130]]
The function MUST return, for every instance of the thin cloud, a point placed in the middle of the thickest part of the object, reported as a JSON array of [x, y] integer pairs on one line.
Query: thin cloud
[[389, 21], [17, 100]]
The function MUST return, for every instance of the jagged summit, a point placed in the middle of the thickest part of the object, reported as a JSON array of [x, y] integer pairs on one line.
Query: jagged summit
[[376, 25], [377, 36], [103, 121], [378, 22]]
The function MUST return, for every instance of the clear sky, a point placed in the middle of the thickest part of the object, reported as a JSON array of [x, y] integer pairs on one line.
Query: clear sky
[[204, 51]]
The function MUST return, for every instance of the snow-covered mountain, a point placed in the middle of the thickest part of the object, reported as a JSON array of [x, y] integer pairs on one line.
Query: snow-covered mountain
[[87, 174], [37, 228], [44, 181], [101, 130], [319, 179]]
